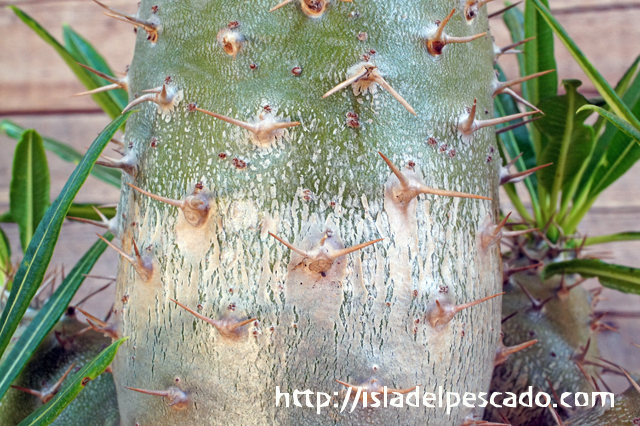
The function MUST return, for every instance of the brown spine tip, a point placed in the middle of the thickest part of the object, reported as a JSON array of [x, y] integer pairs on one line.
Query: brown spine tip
[[509, 49], [178, 399], [441, 314], [47, 394], [362, 78], [143, 266], [322, 257], [116, 83], [501, 11], [228, 328], [507, 177], [500, 87], [150, 27], [409, 186], [536, 304], [109, 330], [436, 43], [516, 125], [504, 352], [468, 125]]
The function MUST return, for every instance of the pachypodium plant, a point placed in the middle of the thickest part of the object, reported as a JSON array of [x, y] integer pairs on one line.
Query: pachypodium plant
[[310, 202]]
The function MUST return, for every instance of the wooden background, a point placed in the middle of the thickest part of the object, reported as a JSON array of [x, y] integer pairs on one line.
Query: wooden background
[[36, 85]]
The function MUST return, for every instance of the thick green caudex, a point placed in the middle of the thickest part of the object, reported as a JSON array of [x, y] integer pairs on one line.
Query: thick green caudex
[[261, 130]]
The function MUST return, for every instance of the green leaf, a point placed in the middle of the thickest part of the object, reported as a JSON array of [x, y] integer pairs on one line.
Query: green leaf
[[86, 54], [514, 20], [569, 141], [102, 99], [86, 211], [612, 238], [48, 316], [48, 412], [5, 258], [621, 124], [622, 153], [617, 277], [29, 192], [607, 92], [64, 151], [539, 56], [36, 260]]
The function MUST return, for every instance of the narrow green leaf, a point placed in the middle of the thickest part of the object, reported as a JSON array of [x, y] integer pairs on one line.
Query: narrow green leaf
[[64, 151], [621, 124], [612, 238], [86, 54], [617, 277], [36, 260], [514, 20], [539, 56], [5, 258], [81, 210], [29, 191], [86, 211], [607, 92], [621, 155], [6, 218], [102, 99], [50, 411], [48, 316]]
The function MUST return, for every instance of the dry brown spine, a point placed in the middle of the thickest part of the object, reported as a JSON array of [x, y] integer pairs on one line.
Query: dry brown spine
[[116, 83], [504, 352], [441, 314], [150, 28], [469, 125], [410, 186], [321, 258], [509, 49], [143, 266], [108, 224], [500, 87], [508, 272], [127, 163], [501, 11], [195, 206], [536, 304], [109, 330], [506, 177], [165, 96], [47, 394], [228, 328], [437, 42], [362, 78], [265, 132], [516, 125], [178, 399]]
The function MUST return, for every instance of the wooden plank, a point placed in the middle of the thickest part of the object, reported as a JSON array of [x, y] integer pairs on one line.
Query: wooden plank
[[33, 76]]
